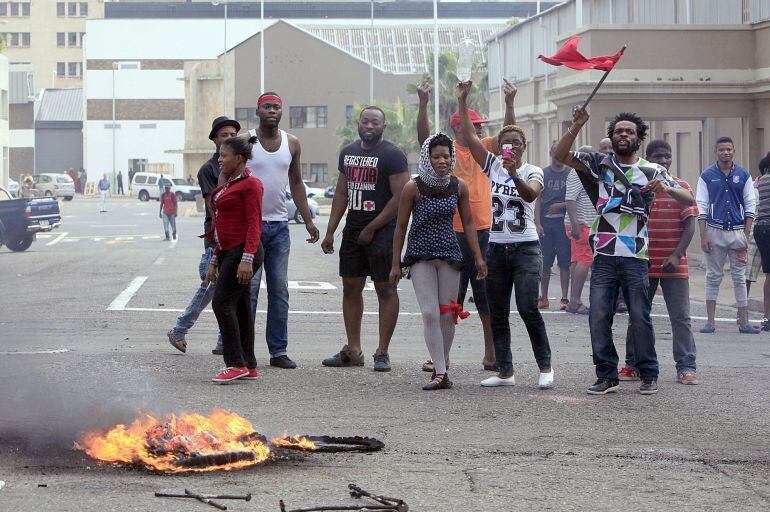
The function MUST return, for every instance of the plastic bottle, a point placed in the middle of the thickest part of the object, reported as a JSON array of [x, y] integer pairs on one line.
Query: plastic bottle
[[467, 54]]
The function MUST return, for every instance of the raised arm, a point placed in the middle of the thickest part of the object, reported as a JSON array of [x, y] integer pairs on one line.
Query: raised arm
[[477, 148], [423, 125], [562, 152], [510, 95]]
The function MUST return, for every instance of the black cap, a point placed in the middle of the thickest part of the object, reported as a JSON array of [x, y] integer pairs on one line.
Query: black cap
[[221, 121]]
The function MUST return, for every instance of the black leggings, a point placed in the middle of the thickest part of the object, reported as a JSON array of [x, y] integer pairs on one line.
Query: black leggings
[[232, 307]]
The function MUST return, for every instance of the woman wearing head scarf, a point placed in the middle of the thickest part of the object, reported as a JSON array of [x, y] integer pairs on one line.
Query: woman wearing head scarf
[[433, 256]]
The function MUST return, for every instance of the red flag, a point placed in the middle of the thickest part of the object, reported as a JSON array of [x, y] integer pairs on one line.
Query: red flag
[[568, 55]]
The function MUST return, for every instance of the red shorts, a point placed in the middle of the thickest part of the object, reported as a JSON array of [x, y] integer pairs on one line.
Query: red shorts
[[581, 249]]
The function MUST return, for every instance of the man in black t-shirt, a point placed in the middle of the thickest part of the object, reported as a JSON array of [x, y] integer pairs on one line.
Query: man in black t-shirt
[[221, 129], [373, 173]]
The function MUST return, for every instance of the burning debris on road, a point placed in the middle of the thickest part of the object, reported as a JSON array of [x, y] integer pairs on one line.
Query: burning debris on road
[[192, 442]]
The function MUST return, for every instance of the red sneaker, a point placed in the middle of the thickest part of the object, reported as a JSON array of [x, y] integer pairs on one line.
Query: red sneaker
[[688, 377], [542, 303], [230, 374], [252, 375], [628, 374]]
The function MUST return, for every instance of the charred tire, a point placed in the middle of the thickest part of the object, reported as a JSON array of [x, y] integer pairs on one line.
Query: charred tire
[[21, 243], [144, 196], [330, 444]]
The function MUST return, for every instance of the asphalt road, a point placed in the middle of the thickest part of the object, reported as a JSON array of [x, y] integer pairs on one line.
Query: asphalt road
[[83, 317]]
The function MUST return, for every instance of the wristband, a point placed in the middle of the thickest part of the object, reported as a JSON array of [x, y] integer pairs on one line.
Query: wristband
[[516, 179]]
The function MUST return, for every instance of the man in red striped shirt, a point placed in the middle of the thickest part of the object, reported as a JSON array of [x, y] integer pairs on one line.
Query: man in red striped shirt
[[168, 207], [671, 228]]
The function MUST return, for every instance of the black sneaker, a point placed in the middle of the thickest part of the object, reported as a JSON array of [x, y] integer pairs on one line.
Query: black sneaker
[[217, 351], [283, 362], [649, 387], [604, 386]]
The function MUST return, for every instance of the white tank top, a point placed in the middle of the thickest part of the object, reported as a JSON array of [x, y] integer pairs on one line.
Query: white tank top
[[273, 170]]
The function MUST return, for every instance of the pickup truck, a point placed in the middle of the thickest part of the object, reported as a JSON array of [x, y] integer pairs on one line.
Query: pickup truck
[[20, 219]]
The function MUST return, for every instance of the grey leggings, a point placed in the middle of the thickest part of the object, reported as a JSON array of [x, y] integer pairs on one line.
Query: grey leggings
[[436, 282]]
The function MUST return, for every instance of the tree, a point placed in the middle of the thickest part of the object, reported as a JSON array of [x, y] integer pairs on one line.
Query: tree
[[447, 70]]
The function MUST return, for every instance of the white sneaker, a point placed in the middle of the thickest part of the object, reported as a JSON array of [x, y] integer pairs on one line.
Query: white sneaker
[[495, 381], [546, 380]]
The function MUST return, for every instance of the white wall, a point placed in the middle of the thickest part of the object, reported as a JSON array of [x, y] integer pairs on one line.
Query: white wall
[[136, 84], [22, 138], [132, 142]]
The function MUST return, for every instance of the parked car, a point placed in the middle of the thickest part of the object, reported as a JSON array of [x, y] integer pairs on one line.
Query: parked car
[[55, 185], [294, 212], [145, 186], [13, 187], [329, 192], [21, 219], [312, 191]]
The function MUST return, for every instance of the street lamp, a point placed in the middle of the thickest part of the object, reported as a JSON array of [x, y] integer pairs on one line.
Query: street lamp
[[371, 56], [262, 47], [436, 82], [114, 68], [224, 57]]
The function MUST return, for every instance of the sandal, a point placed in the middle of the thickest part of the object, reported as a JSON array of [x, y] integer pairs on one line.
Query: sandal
[[581, 309], [428, 366], [176, 341]]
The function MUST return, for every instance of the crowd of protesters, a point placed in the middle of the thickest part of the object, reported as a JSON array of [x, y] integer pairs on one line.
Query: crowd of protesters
[[480, 215]]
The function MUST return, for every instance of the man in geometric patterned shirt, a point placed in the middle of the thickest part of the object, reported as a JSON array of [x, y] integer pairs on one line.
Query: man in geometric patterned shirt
[[622, 187]]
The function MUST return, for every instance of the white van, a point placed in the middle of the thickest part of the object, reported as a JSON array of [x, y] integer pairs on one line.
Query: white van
[[145, 186]]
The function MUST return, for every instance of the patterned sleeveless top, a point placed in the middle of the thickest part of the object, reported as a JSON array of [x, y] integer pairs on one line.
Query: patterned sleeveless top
[[431, 235]]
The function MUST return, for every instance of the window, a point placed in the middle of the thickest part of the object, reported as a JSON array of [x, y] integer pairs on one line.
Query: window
[[25, 9], [60, 67], [14, 39], [308, 117], [60, 9], [109, 126], [60, 39], [247, 117], [72, 69], [350, 112], [3, 9], [72, 9], [152, 180], [84, 9], [318, 173], [147, 126], [128, 65], [25, 39], [72, 39], [14, 8], [140, 180], [4, 104]]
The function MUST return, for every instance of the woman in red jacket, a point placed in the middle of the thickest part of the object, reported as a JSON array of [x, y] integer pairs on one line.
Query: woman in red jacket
[[236, 227]]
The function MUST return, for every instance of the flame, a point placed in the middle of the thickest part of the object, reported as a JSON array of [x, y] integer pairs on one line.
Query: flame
[[295, 441], [162, 444]]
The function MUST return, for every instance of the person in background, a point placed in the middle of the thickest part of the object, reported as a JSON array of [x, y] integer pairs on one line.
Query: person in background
[[433, 258], [578, 221], [190, 180], [727, 205], [104, 191], [120, 183], [131, 173], [671, 228], [236, 229], [550, 210], [762, 233], [161, 184], [168, 208]]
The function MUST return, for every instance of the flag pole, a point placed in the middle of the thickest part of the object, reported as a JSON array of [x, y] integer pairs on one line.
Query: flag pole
[[604, 77]]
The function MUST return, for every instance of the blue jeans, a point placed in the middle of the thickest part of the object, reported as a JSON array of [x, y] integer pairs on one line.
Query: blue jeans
[[676, 293], [609, 274], [276, 242], [516, 268], [169, 219], [199, 301]]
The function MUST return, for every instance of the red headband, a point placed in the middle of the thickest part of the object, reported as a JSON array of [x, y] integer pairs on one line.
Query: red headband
[[269, 97]]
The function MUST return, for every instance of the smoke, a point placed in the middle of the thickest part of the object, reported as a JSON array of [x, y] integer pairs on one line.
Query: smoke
[[46, 409]]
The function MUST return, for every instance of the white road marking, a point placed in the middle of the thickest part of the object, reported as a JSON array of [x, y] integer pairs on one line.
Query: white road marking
[[126, 295], [114, 226], [159, 260], [28, 352], [401, 313], [307, 285], [58, 238], [44, 235]]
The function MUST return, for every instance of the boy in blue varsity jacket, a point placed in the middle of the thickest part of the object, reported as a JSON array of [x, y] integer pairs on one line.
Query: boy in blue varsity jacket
[[727, 205]]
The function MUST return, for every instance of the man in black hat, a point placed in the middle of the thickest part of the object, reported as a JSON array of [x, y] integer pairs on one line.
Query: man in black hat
[[221, 129]]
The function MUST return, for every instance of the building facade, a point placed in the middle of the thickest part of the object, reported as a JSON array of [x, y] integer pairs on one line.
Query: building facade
[[5, 134], [59, 130], [48, 35], [695, 70]]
